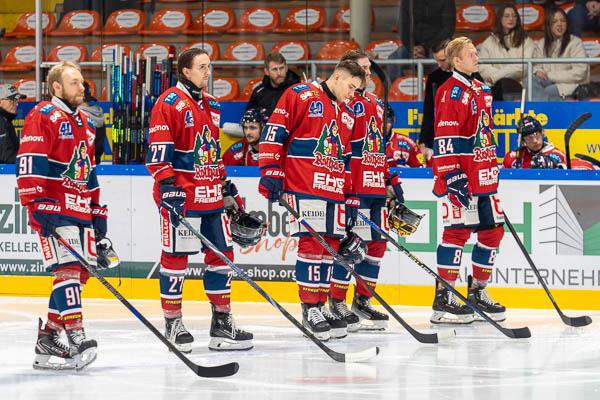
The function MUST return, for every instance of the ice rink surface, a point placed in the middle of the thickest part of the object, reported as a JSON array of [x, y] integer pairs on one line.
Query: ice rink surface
[[558, 362]]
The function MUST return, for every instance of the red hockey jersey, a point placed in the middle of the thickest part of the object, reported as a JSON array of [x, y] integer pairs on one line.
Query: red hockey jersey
[[184, 143], [402, 151], [524, 159], [308, 137], [241, 153], [56, 159], [368, 166], [464, 136]]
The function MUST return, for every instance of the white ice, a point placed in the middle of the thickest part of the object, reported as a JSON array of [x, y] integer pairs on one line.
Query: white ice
[[558, 362]]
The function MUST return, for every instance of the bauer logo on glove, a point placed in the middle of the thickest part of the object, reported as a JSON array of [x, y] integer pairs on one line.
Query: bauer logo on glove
[[403, 221]]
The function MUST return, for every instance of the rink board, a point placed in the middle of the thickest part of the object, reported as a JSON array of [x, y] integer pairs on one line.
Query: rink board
[[556, 213]]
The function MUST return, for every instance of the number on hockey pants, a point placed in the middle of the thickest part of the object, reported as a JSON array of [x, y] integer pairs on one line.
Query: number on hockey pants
[[457, 256], [228, 284], [174, 281], [492, 258], [72, 295]]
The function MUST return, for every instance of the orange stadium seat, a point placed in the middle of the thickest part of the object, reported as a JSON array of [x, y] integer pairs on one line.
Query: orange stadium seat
[[532, 16], [474, 18], [106, 52], [26, 25], [257, 20], [292, 50], [212, 20], [159, 50], [592, 47], [341, 20], [302, 19], [244, 50], [226, 89], [375, 86], [382, 49], [404, 89], [124, 22], [168, 22], [68, 52], [19, 58], [77, 23], [26, 87], [334, 49], [249, 87], [212, 48]]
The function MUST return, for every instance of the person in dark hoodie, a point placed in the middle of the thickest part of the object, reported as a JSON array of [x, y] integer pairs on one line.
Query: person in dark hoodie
[[9, 141], [277, 78], [96, 114]]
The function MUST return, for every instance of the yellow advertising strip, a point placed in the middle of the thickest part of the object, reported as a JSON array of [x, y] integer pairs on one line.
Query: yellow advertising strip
[[287, 292]]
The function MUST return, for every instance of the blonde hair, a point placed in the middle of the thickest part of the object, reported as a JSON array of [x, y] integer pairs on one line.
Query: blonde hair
[[55, 73], [454, 48]]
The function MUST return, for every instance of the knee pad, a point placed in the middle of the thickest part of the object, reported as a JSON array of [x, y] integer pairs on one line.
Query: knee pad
[[456, 236], [491, 237], [211, 259]]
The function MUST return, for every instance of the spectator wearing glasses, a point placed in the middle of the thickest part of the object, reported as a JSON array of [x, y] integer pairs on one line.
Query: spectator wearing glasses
[[9, 141]]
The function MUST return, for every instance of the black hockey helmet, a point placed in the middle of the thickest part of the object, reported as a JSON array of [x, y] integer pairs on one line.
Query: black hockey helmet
[[254, 115], [528, 126], [403, 220], [106, 257], [246, 229], [352, 248]]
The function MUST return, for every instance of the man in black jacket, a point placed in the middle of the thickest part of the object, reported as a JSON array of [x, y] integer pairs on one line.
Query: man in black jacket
[[277, 78], [9, 142]]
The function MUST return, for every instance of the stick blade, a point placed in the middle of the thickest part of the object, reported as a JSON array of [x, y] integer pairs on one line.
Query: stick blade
[[517, 333], [360, 356], [583, 320], [218, 371]]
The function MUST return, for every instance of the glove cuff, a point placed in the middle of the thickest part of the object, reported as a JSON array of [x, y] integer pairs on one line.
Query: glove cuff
[[276, 173]]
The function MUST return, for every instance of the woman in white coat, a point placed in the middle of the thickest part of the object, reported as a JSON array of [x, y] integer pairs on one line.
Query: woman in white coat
[[554, 82], [508, 40]]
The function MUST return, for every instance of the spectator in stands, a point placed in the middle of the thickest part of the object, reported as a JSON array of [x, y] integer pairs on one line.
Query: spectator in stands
[[9, 141], [585, 16], [277, 78], [556, 81], [508, 40], [427, 23], [96, 113]]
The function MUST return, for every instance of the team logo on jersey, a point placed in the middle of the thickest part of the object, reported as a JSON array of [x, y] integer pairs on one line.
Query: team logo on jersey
[[359, 109], [206, 155], [373, 151], [485, 145], [78, 171], [65, 131], [315, 109], [189, 119], [329, 151]]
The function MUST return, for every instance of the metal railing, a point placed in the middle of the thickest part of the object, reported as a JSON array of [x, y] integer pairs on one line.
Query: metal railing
[[419, 64]]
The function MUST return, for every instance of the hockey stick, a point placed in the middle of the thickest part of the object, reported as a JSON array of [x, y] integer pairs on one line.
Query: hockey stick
[[421, 337], [569, 132], [516, 333], [359, 356], [587, 158], [571, 321], [217, 371], [385, 82]]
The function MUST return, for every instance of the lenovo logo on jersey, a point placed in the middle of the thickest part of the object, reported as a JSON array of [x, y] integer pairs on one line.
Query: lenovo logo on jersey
[[281, 111], [443, 123], [208, 194], [328, 183], [77, 203], [373, 179], [488, 176], [158, 128], [27, 139], [484, 153]]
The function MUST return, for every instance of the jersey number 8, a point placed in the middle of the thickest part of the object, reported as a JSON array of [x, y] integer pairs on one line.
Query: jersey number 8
[[445, 146]]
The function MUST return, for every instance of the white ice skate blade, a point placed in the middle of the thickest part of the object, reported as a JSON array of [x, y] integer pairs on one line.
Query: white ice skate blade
[[224, 344], [498, 317], [86, 358], [370, 325], [338, 333], [53, 363], [362, 356], [441, 317], [353, 327]]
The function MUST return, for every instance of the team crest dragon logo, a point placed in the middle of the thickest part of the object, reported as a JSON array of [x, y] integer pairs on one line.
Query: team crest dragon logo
[[78, 171], [485, 145], [373, 148], [329, 152], [205, 154]]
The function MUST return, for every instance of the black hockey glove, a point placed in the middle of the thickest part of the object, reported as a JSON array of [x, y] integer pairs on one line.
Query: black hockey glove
[[352, 204], [44, 216], [172, 199], [232, 200], [543, 161], [458, 188], [394, 188], [99, 215]]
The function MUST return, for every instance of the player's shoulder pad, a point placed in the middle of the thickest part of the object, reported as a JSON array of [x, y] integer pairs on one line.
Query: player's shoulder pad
[[300, 87], [46, 108], [170, 98]]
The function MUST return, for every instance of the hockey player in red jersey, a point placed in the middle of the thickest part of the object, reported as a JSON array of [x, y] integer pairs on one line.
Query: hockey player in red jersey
[[245, 151], [367, 193], [184, 160], [401, 150], [305, 153], [534, 151], [466, 175], [56, 177]]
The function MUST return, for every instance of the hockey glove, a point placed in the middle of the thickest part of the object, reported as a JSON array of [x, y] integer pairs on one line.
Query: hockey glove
[[394, 187], [543, 161], [271, 183], [172, 199], [458, 188], [44, 216], [99, 215], [352, 204], [231, 198], [106, 255]]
